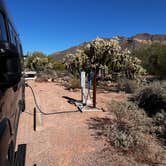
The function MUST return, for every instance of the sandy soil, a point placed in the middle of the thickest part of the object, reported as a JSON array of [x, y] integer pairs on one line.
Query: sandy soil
[[62, 139]]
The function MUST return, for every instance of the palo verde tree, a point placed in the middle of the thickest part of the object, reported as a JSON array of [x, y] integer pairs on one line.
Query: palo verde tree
[[104, 54]]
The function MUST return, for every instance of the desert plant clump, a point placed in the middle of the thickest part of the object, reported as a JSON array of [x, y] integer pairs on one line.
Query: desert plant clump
[[40, 62], [153, 58], [74, 83], [129, 131], [152, 98], [58, 66], [129, 125], [159, 126], [129, 86], [104, 55]]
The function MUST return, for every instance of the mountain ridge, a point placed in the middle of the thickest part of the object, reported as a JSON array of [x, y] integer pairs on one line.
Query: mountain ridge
[[132, 43]]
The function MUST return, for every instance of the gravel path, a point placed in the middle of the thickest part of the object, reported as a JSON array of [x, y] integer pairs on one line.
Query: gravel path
[[62, 139]]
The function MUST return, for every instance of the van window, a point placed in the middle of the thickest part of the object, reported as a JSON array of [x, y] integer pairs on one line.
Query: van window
[[3, 34], [21, 51], [12, 35]]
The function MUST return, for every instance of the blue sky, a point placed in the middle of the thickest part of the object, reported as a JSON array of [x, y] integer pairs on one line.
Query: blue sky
[[54, 25]]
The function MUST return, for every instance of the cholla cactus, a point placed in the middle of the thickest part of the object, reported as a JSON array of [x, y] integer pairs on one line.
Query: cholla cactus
[[39, 62], [78, 62], [105, 54]]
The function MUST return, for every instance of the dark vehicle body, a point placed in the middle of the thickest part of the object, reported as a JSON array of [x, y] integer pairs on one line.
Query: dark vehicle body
[[11, 86]]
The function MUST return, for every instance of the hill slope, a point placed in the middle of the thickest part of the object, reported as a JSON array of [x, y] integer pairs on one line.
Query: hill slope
[[131, 43]]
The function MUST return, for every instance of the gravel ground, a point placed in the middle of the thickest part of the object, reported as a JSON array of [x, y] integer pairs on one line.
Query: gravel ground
[[62, 139]]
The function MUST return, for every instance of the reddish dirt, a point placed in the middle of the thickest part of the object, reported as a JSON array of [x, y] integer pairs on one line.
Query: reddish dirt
[[62, 139]]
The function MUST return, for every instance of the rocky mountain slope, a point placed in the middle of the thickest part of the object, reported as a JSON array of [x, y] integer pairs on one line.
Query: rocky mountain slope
[[131, 43]]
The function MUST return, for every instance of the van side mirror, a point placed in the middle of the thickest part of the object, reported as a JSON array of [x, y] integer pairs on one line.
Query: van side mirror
[[10, 65]]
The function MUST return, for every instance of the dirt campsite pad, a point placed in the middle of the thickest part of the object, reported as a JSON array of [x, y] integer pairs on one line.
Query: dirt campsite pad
[[63, 138]]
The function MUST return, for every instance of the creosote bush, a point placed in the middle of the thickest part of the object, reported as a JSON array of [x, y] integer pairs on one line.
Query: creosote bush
[[152, 98]]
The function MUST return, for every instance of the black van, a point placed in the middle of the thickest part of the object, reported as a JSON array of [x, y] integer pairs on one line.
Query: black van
[[12, 86]]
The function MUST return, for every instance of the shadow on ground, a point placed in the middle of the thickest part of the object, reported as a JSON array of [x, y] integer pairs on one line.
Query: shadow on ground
[[71, 100], [98, 125]]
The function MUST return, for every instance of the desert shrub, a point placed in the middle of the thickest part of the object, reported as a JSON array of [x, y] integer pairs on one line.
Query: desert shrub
[[126, 132], [152, 98], [153, 58], [58, 65], [128, 112], [74, 84], [129, 86], [47, 75], [130, 122], [106, 86], [38, 62], [41, 77], [129, 132], [30, 59], [159, 126], [163, 84]]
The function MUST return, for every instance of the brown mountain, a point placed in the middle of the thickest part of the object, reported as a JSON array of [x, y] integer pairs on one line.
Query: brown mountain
[[131, 43]]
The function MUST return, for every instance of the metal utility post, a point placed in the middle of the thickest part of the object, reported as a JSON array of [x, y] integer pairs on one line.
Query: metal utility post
[[94, 89], [34, 120], [83, 88]]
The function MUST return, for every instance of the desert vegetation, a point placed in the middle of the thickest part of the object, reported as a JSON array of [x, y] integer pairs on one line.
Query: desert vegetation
[[137, 128], [107, 56], [153, 58], [45, 66], [40, 62]]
